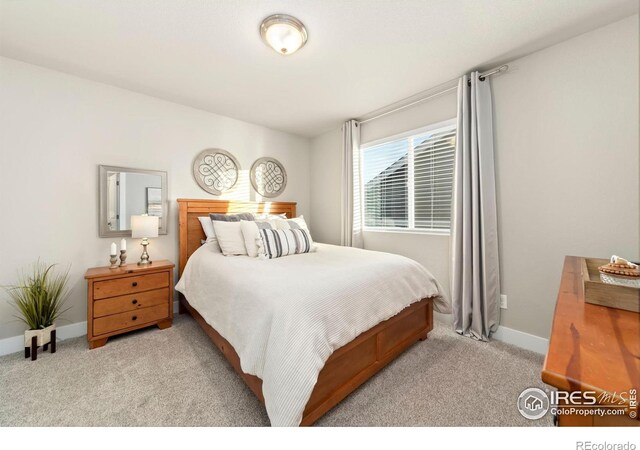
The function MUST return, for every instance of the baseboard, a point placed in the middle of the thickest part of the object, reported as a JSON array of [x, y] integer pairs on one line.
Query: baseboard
[[16, 343], [508, 336], [522, 340]]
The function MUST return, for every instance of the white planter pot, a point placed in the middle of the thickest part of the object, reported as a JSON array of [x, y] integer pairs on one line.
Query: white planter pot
[[44, 336]]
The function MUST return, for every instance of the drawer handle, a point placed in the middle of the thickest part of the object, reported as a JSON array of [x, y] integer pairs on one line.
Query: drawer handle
[[134, 284], [134, 301], [134, 318]]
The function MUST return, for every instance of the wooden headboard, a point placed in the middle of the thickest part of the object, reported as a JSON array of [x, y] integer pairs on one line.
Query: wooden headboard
[[191, 233]]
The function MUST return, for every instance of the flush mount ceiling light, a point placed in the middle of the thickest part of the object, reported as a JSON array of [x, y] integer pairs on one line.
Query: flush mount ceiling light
[[285, 34]]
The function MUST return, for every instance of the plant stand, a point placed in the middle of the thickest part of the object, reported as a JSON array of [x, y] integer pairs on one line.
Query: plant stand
[[33, 350]]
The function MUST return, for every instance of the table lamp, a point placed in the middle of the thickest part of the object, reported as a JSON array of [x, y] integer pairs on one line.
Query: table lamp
[[144, 227]]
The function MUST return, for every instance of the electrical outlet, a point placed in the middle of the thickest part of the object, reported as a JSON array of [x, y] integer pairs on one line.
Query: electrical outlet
[[503, 301]]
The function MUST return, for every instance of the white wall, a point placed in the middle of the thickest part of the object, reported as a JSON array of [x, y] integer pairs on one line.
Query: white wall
[[56, 129], [326, 178], [567, 162]]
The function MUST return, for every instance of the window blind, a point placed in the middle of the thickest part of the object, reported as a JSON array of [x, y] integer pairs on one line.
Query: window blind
[[407, 182]]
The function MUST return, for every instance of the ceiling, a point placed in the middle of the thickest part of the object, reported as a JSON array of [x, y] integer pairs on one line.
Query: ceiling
[[361, 54]]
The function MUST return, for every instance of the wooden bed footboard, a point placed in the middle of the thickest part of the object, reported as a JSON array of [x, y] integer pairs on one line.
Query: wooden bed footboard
[[349, 366]]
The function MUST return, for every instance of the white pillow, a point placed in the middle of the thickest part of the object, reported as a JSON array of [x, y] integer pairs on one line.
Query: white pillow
[[251, 234], [266, 216], [212, 247], [297, 223], [207, 227], [230, 239], [289, 224]]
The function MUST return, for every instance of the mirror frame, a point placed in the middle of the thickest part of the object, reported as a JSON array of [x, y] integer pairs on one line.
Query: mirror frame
[[102, 208]]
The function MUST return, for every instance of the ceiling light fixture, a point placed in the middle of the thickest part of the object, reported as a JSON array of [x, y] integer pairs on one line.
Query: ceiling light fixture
[[285, 34]]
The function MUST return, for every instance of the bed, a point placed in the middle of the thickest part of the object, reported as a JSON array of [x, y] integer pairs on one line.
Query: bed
[[270, 310]]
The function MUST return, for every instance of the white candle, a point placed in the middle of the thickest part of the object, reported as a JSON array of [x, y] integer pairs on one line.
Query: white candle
[[113, 248], [123, 244]]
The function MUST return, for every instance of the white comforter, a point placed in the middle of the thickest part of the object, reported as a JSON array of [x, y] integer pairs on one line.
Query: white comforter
[[286, 316]]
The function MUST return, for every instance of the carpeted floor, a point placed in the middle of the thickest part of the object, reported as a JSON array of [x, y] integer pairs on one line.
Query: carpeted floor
[[176, 377]]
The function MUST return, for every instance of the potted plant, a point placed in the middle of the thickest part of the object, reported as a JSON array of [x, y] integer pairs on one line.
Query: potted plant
[[39, 298]]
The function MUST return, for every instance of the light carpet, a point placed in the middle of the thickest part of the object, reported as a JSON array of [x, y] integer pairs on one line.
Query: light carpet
[[176, 377]]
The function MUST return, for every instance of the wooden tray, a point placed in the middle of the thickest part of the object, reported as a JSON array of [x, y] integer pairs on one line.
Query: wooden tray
[[598, 293]]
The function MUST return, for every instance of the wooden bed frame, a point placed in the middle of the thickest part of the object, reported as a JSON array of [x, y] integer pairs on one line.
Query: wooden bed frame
[[349, 366]]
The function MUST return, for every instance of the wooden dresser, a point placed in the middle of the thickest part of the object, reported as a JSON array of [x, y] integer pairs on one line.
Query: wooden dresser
[[128, 298], [593, 349]]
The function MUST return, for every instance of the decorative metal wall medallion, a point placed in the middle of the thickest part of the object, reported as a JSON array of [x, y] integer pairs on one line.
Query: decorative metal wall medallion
[[216, 170], [268, 177]]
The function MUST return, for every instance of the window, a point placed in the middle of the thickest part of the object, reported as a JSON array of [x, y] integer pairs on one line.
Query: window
[[407, 180]]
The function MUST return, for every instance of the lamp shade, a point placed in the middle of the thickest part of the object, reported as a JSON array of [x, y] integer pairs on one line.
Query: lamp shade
[[144, 226]]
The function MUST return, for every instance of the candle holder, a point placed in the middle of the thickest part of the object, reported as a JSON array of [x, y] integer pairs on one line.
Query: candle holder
[[123, 257], [114, 261]]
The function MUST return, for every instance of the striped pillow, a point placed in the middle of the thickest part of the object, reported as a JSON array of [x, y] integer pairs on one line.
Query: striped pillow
[[277, 243]]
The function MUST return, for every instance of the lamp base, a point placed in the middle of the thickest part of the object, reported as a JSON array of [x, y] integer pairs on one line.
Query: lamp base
[[144, 258]]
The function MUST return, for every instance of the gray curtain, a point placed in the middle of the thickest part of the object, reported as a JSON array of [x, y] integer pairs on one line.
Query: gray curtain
[[351, 230], [475, 272]]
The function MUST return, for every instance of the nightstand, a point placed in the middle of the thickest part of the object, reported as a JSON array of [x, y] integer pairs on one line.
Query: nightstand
[[128, 298]]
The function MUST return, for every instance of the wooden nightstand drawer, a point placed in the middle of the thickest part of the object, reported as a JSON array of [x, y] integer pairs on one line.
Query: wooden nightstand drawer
[[122, 321], [130, 302], [129, 285], [128, 298]]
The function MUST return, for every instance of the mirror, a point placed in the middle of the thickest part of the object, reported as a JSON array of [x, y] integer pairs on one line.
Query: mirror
[[126, 192]]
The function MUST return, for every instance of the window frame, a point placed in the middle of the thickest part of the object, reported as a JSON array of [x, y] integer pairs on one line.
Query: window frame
[[410, 182]]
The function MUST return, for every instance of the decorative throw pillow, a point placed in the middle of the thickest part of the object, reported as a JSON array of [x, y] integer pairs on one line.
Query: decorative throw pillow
[[207, 227], [297, 223], [277, 243], [251, 234], [229, 235], [231, 217]]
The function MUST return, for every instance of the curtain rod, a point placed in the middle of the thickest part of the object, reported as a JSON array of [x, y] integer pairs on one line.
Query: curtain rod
[[482, 77]]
